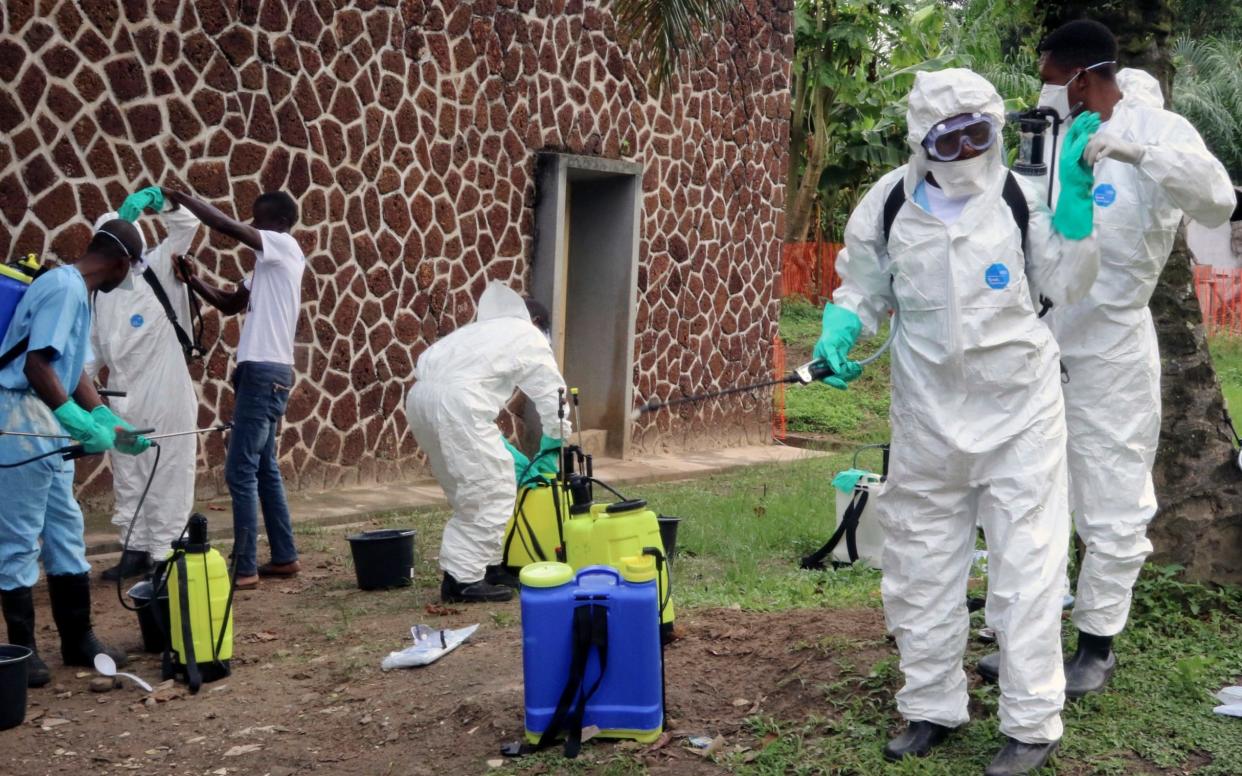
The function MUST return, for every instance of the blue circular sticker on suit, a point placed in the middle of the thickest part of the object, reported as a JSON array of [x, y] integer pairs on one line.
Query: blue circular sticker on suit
[[997, 276], [136, 321], [1105, 194]]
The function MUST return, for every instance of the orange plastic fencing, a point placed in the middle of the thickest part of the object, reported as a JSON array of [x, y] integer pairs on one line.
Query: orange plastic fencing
[[809, 269], [1220, 297], [779, 426]]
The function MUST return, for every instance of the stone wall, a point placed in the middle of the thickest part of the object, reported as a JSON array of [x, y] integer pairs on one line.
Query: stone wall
[[408, 132]]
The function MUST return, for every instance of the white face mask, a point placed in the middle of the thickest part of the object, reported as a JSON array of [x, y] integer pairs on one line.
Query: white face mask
[[1057, 96], [963, 178]]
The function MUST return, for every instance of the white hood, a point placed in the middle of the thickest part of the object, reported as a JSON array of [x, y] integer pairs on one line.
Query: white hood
[[1140, 87], [500, 301], [112, 216], [943, 94]]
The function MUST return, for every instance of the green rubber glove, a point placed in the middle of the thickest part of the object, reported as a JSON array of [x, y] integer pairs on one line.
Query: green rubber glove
[[130, 444], [151, 198], [1075, 212], [521, 464], [94, 437], [841, 328], [549, 459]]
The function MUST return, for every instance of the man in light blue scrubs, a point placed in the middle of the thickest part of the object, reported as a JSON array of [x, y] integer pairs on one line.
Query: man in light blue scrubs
[[43, 391]]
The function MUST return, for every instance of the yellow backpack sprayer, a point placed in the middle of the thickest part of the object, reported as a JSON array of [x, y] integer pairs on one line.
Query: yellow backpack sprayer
[[200, 604]]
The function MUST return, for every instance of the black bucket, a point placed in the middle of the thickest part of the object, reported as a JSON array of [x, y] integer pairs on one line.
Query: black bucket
[[668, 535], [14, 661], [383, 559], [152, 617]]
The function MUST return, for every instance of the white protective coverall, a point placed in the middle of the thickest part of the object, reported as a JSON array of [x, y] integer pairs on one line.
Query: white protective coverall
[[1108, 343], [461, 384], [978, 427], [132, 336]]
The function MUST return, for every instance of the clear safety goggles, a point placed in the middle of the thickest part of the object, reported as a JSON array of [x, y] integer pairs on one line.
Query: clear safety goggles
[[947, 139]]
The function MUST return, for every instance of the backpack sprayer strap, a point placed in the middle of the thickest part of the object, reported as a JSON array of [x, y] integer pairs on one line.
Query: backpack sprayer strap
[[12, 353], [192, 676], [190, 347], [847, 529], [590, 630]]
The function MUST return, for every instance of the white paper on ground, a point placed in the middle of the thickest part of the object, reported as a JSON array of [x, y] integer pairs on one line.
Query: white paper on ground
[[430, 644], [1231, 697]]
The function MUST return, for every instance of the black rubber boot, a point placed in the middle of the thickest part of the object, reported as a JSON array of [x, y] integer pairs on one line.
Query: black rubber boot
[[499, 575], [71, 609], [454, 592], [1016, 758], [988, 668], [1091, 666], [133, 563], [917, 740], [19, 616]]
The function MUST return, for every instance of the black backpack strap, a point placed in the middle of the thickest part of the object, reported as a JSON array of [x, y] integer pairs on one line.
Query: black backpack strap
[[1016, 200], [892, 206], [191, 349], [848, 529], [192, 676], [11, 355], [590, 629]]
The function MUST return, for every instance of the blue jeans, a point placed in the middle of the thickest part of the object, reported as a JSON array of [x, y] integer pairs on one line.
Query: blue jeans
[[262, 393]]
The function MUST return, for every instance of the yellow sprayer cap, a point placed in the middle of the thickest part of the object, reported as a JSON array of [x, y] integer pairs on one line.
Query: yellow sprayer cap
[[14, 274], [638, 568], [546, 574]]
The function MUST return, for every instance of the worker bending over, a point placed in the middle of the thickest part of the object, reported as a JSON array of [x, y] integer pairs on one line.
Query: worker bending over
[[462, 382], [44, 390], [963, 250], [138, 334]]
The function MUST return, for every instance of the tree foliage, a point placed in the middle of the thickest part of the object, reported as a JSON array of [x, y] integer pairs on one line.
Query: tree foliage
[[1208, 91], [854, 64], [665, 29]]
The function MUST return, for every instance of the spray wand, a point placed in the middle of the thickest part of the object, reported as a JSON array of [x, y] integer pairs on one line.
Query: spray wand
[[810, 372]]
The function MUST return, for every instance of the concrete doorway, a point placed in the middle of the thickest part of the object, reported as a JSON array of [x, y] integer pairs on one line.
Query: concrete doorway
[[585, 270]]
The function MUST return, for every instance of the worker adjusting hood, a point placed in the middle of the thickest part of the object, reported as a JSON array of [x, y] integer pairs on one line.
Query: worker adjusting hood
[[941, 95], [500, 301], [1140, 87]]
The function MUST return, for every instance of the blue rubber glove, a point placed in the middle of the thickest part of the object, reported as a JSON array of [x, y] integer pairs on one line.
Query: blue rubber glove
[[1075, 211], [83, 427], [841, 328], [128, 443], [549, 459], [521, 464], [151, 198]]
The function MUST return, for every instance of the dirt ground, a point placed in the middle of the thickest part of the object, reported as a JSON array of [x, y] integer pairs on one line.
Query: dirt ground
[[307, 693]]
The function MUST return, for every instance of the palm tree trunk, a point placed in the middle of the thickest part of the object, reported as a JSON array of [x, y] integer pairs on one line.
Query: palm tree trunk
[[1199, 525]]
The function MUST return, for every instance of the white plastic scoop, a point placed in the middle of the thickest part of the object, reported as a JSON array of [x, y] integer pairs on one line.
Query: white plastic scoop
[[107, 666]]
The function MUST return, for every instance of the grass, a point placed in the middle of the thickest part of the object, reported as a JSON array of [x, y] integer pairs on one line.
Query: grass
[[739, 544], [1227, 358]]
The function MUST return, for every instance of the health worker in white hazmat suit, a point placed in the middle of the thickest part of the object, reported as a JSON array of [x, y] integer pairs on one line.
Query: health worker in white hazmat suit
[[461, 384], [1151, 167], [963, 250], [134, 338]]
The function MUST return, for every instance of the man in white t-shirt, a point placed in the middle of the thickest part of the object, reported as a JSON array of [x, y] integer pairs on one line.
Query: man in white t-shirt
[[263, 378]]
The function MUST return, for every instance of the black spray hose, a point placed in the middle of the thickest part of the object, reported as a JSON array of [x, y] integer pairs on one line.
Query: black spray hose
[[812, 371]]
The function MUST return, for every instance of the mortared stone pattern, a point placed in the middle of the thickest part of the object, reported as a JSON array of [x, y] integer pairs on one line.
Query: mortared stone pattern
[[407, 131]]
